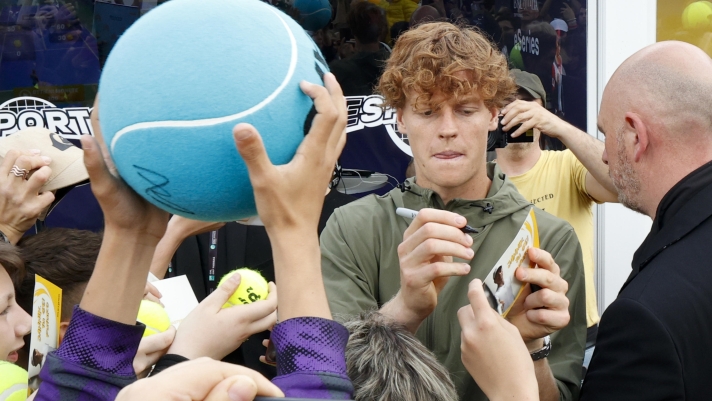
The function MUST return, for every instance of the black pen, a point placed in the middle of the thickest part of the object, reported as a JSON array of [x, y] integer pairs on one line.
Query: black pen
[[410, 214]]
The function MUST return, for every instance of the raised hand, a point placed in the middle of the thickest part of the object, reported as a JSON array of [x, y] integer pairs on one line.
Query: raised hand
[[426, 262], [493, 351], [214, 332], [543, 312]]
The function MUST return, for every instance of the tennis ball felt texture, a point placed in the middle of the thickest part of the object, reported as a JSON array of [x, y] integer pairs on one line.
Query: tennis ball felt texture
[[13, 382], [177, 82], [697, 15], [313, 14], [253, 287], [154, 316]]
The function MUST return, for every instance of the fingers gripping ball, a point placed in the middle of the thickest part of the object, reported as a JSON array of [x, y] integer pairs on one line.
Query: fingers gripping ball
[[177, 82], [253, 287], [13, 382], [154, 316]]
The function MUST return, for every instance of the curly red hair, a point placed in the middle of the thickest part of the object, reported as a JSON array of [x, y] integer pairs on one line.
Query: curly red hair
[[432, 57]]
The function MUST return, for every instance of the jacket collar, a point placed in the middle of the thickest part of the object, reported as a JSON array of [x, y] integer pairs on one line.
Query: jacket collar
[[682, 209], [502, 200]]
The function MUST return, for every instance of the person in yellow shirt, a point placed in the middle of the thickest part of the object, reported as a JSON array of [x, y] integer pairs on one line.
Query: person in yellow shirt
[[564, 183]]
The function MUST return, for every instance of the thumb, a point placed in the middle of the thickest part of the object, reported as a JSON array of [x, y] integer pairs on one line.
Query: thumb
[[249, 145], [235, 388], [158, 341], [218, 298], [95, 165]]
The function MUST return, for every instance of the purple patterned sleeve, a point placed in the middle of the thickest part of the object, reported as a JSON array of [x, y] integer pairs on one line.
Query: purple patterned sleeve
[[94, 361], [311, 360]]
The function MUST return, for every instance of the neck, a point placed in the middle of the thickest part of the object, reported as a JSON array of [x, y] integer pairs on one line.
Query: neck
[[665, 182], [517, 159], [367, 48]]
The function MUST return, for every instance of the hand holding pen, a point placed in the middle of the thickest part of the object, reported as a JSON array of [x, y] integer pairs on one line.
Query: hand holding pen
[[410, 214]]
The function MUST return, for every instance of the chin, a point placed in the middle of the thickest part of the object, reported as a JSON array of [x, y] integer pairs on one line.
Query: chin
[[450, 182]]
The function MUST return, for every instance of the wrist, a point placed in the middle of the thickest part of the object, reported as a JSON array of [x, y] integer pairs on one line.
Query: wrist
[[12, 235], [184, 352], [397, 310], [563, 131], [137, 237], [299, 233], [534, 345]]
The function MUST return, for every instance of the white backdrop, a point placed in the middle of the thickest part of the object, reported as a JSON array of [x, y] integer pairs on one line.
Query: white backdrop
[[617, 29]]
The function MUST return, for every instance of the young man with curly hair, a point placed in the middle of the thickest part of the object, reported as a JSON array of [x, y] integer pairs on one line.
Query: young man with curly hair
[[447, 84]]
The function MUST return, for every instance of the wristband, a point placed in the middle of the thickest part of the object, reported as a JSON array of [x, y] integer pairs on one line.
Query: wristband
[[165, 362]]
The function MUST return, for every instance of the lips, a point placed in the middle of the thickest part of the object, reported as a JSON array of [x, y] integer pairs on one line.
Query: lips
[[448, 154], [12, 357]]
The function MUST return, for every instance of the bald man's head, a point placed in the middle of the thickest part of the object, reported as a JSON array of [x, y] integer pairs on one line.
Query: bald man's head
[[669, 81], [656, 115]]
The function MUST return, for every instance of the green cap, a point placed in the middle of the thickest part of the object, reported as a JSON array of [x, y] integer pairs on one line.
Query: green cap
[[531, 83]]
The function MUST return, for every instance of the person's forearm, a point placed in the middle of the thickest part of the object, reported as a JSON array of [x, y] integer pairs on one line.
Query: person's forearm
[[116, 287], [165, 250], [297, 268], [548, 390], [588, 150]]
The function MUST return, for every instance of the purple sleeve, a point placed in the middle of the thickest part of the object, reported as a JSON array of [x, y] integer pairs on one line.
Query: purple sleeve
[[94, 361], [311, 360]]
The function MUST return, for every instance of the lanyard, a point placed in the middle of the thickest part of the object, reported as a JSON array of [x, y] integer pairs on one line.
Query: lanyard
[[212, 259]]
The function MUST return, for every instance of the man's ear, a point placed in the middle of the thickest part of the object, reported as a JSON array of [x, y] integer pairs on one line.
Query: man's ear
[[641, 138], [399, 120], [62, 330], [494, 120]]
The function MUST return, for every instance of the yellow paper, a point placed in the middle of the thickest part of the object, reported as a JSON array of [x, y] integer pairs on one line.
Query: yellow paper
[[501, 286], [46, 316]]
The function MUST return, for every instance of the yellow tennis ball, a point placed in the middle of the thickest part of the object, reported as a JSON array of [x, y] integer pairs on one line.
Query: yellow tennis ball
[[697, 15], [253, 287], [154, 317], [13, 382]]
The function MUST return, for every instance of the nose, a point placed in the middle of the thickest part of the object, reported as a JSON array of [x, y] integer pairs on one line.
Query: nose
[[24, 323], [447, 128], [604, 157]]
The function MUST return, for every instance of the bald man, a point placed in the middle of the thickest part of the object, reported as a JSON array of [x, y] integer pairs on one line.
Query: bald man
[[655, 339]]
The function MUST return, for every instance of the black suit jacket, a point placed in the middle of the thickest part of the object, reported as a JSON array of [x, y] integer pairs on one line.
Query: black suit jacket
[[655, 340]]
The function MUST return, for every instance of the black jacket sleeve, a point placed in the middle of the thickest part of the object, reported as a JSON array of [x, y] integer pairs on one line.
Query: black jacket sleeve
[[634, 358]]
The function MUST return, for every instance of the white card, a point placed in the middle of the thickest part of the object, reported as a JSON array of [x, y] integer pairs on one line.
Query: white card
[[177, 297]]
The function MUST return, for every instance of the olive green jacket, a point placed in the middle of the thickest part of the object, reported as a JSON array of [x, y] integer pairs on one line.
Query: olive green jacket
[[361, 269]]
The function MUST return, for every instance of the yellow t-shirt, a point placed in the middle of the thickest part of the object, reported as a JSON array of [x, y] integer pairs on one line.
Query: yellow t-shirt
[[557, 184]]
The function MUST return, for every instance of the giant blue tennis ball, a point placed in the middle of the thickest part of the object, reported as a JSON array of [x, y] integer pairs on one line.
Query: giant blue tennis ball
[[313, 14], [177, 82]]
